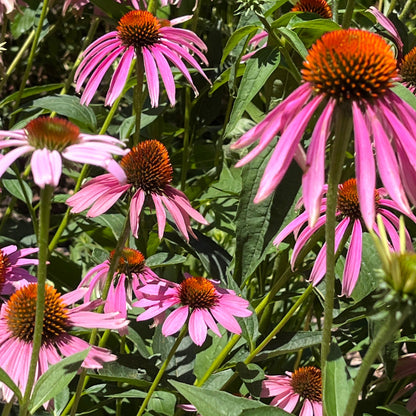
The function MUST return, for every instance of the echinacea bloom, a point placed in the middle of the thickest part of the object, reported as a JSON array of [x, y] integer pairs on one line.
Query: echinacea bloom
[[140, 34], [305, 384], [350, 223], [145, 175], [17, 318], [344, 70], [408, 70], [319, 7], [200, 300], [131, 273], [50, 140], [12, 276]]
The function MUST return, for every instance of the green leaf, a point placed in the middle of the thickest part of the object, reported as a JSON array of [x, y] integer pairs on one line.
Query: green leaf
[[162, 403], [294, 40], [213, 402], [253, 376], [69, 106], [28, 92], [396, 409], [22, 22], [225, 77], [289, 342], [405, 94], [4, 378], [324, 25], [236, 37], [113, 221], [14, 186], [338, 382], [257, 224], [55, 379], [164, 259], [258, 70]]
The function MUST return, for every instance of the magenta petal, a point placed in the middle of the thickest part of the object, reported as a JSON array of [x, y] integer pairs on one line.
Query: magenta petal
[[353, 260], [365, 167], [175, 321], [152, 77], [197, 327], [136, 206], [165, 73], [160, 215]]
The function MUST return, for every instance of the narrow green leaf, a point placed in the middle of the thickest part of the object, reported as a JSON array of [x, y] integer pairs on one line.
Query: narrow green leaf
[[15, 188], [257, 224], [225, 77], [294, 40], [324, 25], [396, 409], [164, 259], [55, 379], [69, 106], [213, 402], [29, 92], [338, 382], [4, 378], [405, 94], [236, 37], [258, 70]]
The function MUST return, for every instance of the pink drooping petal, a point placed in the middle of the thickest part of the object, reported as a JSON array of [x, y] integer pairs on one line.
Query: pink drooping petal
[[197, 327], [283, 154], [176, 215], [396, 223], [175, 321], [152, 77], [136, 206], [314, 178], [166, 74], [11, 156], [353, 259], [46, 167], [226, 319], [319, 267], [119, 78], [209, 320], [160, 215], [365, 167]]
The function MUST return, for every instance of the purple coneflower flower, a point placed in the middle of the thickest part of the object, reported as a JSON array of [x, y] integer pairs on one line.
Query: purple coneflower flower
[[17, 318], [146, 174], [12, 276], [52, 139], [351, 222], [304, 384], [201, 300], [139, 33], [345, 70], [131, 273]]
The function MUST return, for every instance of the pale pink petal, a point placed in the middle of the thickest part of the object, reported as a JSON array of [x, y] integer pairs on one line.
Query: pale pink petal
[[11, 156], [175, 321], [197, 327], [307, 409]]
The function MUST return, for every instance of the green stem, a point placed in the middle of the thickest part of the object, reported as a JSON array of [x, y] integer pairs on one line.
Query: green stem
[[273, 333], [44, 218], [335, 10], [162, 370], [83, 379], [138, 96], [347, 18], [389, 327], [152, 6], [406, 9], [17, 58], [343, 127], [30, 58]]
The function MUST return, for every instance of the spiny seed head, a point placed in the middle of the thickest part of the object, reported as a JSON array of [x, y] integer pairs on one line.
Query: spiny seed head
[[139, 28], [147, 167], [198, 293], [350, 65], [131, 261], [307, 382], [4, 263], [21, 311], [348, 202], [320, 7], [408, 68], [53, 133]]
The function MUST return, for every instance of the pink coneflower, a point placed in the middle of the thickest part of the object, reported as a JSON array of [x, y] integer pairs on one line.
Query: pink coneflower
[[52, 139], [141, 33], [131, 273], [319, 7], [304, 384], [146, 175], [345, 70], [12, 276], [17, 318], [350, 223], [199, 299]]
